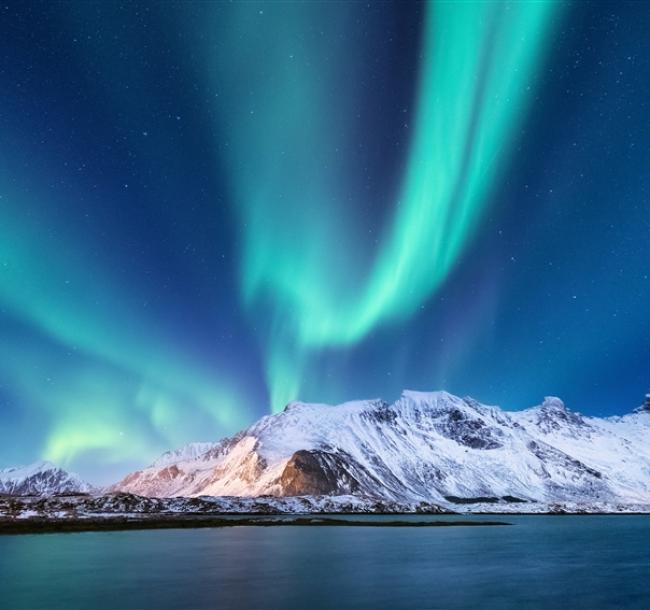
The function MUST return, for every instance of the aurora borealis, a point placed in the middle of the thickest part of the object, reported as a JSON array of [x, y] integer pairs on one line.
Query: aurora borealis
[[473, 96], [210, 209]]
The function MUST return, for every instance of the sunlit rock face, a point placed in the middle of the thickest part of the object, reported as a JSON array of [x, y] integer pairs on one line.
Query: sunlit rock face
[[432, 447], [316, 473]]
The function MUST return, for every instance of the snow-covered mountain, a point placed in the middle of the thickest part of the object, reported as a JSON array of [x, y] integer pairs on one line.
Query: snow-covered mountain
[[40, 479], [188, 452], [432, 447]]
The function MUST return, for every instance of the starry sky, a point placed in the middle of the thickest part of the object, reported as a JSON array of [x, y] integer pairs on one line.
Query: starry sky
[[210, 209]]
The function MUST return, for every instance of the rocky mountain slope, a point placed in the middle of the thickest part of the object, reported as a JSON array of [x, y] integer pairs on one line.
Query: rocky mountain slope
[[431, 447], [124, 504], [40, 479]]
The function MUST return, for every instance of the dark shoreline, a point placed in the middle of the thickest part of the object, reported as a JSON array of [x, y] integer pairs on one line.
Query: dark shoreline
[[36, 525]]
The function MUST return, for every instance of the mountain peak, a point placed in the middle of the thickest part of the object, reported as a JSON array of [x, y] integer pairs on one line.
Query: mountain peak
[[437, 395], [553, 416], [27, 470], [645, 407], [188, 452], [555, 403], [40, 479], [292, 406]]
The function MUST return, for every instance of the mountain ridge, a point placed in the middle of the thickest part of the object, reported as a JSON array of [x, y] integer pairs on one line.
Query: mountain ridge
[[426, 446], [41, 478]]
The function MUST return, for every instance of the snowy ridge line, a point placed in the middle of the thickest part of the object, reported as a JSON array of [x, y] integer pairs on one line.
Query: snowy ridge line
[[40, 479], [426, 447]]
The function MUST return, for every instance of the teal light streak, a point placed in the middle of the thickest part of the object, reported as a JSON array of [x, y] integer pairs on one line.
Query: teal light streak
[[478, 70], [122, 391]]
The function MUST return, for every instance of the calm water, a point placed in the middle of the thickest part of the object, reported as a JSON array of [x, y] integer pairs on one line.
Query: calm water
[[587, 562]]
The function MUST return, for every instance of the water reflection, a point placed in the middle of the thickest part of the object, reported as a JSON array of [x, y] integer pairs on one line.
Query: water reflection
[[540, 562]]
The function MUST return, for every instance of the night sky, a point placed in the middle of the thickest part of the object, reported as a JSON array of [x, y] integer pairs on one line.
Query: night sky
[[208, 210]]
